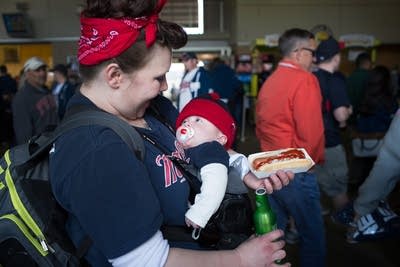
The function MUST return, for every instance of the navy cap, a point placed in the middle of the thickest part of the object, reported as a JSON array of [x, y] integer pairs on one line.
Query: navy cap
[[327, 49], [188, 55]]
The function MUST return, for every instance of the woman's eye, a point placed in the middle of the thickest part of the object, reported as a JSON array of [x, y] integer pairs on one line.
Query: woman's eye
[[161, 78]]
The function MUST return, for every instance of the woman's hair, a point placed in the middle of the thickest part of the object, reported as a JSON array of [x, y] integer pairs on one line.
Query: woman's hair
[[291, 38], [169, 34], [378, 91]]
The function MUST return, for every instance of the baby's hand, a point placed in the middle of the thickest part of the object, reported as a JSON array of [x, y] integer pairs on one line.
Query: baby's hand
[[189, 223]]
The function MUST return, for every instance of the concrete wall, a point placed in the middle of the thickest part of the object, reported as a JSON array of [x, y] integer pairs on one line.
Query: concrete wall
[[51, 19], [255, 18], [242, 21], [249, 19]]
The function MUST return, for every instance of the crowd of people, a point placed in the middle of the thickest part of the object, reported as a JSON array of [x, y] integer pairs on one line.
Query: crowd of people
[[362, 104], [303, 102], [33, 103]]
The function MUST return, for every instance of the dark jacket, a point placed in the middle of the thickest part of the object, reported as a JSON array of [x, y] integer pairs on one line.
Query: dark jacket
[[34, 109]]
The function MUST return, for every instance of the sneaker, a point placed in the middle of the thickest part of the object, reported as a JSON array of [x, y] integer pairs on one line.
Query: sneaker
[[344, 216], [386, 212], [292, 236], [376, 225]]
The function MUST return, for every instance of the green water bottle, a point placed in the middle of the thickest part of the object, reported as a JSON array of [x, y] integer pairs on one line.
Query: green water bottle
[[264, 218]]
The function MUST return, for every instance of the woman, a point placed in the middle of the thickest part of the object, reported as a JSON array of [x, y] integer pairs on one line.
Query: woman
[[117, 200]]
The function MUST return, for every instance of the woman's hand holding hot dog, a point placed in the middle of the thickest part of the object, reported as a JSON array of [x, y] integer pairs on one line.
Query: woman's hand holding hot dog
[[272, 183]]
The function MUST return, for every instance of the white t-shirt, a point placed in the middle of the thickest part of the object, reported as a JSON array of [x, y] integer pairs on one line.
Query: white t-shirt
[[187, 87]]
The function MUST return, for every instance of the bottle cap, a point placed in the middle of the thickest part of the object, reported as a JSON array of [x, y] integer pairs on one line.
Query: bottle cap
[[261, 191]]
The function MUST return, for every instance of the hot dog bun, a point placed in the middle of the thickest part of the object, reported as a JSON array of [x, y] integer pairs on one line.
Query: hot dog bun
[[295, 159]]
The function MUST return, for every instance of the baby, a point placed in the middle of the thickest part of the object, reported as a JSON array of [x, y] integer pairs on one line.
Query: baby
[[206, 130]]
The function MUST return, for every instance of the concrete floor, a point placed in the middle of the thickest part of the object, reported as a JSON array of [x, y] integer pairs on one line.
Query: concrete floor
[[382, 253]]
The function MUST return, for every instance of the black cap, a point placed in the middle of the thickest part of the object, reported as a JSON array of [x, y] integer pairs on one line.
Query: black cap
[[61, 68], [327, 49], [188, 55]]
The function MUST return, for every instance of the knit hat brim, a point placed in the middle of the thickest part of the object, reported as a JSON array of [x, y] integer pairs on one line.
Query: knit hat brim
[[212, 111]]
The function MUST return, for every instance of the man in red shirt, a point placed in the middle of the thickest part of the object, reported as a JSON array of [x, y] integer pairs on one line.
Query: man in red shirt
[[288, 114]]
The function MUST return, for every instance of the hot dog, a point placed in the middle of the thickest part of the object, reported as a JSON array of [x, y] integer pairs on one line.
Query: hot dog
[[290, 158]]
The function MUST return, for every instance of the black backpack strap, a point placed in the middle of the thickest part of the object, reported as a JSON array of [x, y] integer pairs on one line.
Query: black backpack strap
[[96, 117], [85, 117]]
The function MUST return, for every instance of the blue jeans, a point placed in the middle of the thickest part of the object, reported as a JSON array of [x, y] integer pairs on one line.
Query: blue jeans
[[301, 200]]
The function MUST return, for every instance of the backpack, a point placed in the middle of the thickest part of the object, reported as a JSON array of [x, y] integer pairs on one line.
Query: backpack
[[32, 223]]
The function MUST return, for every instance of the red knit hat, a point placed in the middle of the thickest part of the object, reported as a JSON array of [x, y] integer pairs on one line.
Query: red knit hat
[[214, 110]]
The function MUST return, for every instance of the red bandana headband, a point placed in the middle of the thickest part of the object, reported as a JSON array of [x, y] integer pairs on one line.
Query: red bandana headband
[[105, 38]]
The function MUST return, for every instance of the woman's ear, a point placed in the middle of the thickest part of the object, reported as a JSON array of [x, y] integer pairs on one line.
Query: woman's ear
[[113, 75]]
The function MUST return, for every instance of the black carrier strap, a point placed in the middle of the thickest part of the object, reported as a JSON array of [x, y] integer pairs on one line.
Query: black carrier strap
[[194, 182]]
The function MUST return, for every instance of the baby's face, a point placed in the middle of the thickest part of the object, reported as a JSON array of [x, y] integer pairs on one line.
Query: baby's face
[[197, 130]]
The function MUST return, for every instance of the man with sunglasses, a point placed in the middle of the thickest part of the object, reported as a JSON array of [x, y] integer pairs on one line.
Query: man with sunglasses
[[288, 114], [34, 107]]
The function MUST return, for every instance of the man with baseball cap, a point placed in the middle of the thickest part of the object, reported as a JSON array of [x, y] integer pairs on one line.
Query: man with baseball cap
[[195, 82], [332, 175], [34, 108]]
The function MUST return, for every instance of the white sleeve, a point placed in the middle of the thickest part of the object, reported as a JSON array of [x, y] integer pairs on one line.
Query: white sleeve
[[240, 163], [214, 178], [153, 252]]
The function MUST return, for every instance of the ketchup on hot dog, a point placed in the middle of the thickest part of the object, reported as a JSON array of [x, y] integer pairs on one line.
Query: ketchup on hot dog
[[285, 155]]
